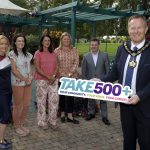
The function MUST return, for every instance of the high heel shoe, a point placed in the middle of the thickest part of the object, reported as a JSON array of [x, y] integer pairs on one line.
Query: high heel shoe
[[72, 121], [63, 119], [54, 127]]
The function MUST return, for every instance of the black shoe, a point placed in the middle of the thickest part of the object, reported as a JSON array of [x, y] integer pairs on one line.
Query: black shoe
[[63, 119], [106, 121], [72, 121], [5, 144], [89, 117]]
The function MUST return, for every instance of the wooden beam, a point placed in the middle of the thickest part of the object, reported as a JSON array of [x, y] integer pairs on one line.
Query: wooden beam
[[59, 8]]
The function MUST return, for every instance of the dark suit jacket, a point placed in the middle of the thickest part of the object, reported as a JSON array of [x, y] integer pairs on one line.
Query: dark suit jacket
[[89, 70], [142, 80]]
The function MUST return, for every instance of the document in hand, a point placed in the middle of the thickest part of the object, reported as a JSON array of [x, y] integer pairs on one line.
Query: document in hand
[[4, 63]]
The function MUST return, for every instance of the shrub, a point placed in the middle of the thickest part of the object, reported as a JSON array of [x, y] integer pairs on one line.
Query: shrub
[[80, 59], [33, 43]]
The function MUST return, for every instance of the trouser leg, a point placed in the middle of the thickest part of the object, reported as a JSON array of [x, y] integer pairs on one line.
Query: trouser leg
[[103, 109], [91, 106]]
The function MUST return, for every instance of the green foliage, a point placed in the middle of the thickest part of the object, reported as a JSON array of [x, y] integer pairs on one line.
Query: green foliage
[[21, 3], [107, 3], [114, 39], [27, 30], [55, 3], [33, 43], [84, 30], [110, 48]]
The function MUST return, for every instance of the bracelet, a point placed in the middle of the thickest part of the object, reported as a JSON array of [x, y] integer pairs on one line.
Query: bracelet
[[69, 74], [54, 76]]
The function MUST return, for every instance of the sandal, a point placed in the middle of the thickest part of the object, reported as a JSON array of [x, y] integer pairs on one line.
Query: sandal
[[63, 119], [21, 132], [44, 127], [25, 129], [54, 127]]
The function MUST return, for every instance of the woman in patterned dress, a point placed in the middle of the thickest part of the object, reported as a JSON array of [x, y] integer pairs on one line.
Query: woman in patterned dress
[[21, 78], [68, 63], [45, 61]]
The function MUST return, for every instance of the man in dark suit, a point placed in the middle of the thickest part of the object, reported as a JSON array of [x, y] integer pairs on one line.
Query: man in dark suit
[[95, 64], [132, 68]]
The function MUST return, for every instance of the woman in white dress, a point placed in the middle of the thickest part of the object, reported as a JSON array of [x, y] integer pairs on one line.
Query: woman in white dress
[[21, 82]]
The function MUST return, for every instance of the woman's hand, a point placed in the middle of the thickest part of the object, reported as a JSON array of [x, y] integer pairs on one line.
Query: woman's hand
[[28, 81], [69, 75], [51, 79], [62, 74]]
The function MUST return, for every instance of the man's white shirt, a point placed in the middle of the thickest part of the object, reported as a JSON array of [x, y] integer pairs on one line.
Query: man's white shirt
[[133, 83]]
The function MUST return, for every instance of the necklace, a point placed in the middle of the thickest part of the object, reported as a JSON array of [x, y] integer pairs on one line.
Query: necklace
[[132, 63]]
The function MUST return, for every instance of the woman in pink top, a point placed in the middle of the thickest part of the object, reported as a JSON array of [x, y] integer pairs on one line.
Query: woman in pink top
[[45, 61]]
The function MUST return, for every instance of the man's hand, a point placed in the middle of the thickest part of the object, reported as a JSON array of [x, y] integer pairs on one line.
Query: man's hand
[[134, 100]]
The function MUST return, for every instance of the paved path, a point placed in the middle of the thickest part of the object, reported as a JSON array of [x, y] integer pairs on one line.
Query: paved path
[[88, 135]]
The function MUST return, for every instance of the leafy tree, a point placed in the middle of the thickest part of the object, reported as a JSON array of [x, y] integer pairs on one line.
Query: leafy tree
[[21, 3], [115, 26]]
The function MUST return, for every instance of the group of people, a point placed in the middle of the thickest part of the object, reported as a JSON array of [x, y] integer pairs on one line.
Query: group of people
[[131, 68], [15, 77]]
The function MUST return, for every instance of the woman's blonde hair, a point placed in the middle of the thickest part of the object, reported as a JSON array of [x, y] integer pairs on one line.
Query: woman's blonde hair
[[61, 38], [4, 37]]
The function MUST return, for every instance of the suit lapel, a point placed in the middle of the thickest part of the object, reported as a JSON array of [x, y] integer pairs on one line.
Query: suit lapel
[[91, 59], [98, 59], [122, 63], [141, 62]]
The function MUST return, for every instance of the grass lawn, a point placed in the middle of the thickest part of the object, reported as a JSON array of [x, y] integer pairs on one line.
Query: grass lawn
[[110, 48]]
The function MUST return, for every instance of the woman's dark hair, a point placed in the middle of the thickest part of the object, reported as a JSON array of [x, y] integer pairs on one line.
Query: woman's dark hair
[[50, 49], [24, 50]]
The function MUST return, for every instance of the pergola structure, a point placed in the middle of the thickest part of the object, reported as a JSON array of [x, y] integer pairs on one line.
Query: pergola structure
[[65, 15], [77, 11], [19, 21]]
